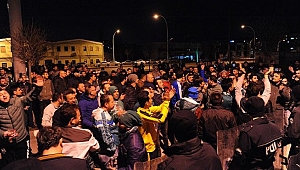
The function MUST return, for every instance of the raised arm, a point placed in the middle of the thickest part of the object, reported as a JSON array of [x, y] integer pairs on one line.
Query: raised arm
[[238, 89], [267, 92]]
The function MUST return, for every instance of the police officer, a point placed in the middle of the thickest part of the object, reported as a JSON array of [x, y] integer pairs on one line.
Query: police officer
[[258, 140]]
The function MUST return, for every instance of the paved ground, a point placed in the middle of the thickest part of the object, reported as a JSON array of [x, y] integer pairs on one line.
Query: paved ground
[[33, 143]]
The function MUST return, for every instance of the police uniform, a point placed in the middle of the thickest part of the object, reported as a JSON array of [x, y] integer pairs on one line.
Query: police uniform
[[258, 142]]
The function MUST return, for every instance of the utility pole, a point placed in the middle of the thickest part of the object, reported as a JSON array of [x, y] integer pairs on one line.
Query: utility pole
[[15, 24]]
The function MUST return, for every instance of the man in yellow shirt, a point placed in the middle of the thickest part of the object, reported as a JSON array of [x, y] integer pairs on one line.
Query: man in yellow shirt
[[150, 116]]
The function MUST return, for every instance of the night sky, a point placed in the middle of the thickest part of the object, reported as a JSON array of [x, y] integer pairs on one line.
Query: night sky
[[192, 21]]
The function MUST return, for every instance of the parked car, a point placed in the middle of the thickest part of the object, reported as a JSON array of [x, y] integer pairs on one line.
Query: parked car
[[151, 62], [127, 62], [139, 61]]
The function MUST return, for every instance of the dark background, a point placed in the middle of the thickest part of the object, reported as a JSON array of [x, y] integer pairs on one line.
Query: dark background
[[191, 21]]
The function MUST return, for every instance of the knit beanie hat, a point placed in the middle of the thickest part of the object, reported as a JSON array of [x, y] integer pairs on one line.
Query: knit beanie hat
[[184, 125], [130, 119], [254, 106], [132, 78], [112, 89]]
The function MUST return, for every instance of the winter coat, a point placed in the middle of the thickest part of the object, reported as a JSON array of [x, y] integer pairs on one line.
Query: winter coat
[[131, 149], [191, 154], [59, 84], [87, 105], [258, 141], [47, 90], [131, 97], [214, 119], [12, 116]]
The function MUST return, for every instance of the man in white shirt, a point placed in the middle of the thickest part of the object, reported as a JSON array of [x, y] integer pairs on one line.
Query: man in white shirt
[[57, 101]]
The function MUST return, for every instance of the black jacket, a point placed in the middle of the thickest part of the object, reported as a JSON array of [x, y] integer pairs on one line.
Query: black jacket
[[59, 84], [191, 155], [258, 142], [131, 97], [212, 120]]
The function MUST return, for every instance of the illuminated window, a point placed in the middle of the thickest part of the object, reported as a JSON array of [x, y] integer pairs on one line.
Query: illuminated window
[[66, 48], [3, 50], [91, 48], [72, 48]]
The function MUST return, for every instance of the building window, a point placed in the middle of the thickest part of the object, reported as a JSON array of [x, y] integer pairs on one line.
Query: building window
[[58, 48], [3, 50], [97, 48], [67, 62], [91, 48], [73, 61], [58, 62], [4, 65], [66, 48], [92, 61], [72, 48], [84, 48], [85, 60]]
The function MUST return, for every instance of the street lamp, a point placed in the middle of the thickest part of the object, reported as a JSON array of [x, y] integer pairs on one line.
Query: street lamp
[[156, 17], [244, 26], [113, 41]]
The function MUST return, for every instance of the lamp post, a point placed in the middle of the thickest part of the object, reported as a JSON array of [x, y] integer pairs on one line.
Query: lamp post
[[244, 26], [113, 42], [156, 17]]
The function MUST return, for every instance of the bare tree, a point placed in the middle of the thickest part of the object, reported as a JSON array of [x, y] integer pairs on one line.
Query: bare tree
[[33, 45]]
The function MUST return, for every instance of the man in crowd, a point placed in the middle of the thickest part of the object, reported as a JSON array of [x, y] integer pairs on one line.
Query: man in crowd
[[87, 103], [50, 148], [59, 82], [57, 101], [14, 137], [258, 140], [150, 116], [70, 96], [131, 92], [80, 90], [77, 142], [214, 119], [189, 152], [46, 93], [104, 123]]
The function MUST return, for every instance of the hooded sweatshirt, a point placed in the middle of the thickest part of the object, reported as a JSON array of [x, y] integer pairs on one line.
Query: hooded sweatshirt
[[87, 105]]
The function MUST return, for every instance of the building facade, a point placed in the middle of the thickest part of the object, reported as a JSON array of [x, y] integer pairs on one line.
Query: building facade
[[61, 52], [5, 53]]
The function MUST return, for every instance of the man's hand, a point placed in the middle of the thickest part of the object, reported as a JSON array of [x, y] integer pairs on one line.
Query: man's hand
[[122, 96], [10, 134], [39, 81], [291, 69]]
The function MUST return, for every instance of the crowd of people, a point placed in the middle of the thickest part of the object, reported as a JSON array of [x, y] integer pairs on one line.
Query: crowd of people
[[89, 119]]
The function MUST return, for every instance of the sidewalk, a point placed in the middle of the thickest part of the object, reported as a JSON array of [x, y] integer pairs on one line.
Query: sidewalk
[[33, 142]]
